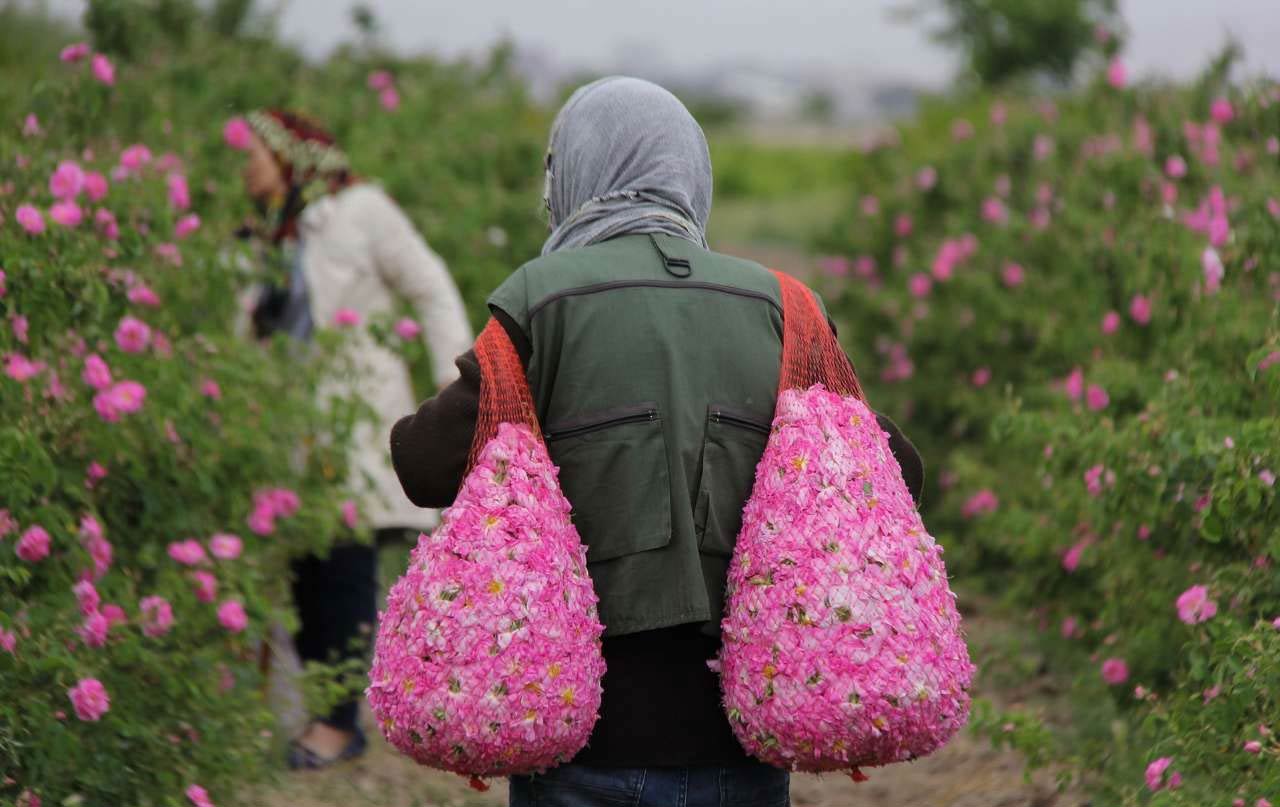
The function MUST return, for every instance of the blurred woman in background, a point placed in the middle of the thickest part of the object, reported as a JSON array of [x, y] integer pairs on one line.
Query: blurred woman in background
[[352, 252]]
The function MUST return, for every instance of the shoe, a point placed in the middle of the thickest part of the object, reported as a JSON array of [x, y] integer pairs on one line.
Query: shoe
[[301, 758]]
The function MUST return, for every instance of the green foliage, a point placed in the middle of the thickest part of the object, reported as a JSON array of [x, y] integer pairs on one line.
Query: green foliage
[[1003, 40], [1181, 452], [462, 154]]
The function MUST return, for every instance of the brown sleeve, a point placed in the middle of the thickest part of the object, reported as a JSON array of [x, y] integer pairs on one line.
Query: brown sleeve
[[429, 448], [906, 455]]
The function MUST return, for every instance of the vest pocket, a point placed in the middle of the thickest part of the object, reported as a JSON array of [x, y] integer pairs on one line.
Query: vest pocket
[[613, 470], [733, 446]]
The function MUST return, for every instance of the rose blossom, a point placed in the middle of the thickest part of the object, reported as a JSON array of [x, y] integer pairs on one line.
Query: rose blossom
[[90, 699], [231, 616]]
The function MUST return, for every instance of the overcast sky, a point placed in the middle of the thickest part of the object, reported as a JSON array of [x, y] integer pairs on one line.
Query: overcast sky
[[1171, 37]]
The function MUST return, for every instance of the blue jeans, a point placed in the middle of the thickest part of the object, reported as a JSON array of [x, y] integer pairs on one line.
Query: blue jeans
[[584, 786]]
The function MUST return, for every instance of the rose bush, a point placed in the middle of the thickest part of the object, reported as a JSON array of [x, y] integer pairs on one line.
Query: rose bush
[[157, 468], [1072, 304]]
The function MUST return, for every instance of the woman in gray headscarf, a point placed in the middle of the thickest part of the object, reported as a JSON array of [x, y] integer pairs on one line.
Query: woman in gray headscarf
[[654, 365]]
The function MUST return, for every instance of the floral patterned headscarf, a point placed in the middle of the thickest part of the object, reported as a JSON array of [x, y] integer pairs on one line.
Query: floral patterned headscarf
[[309, 157]]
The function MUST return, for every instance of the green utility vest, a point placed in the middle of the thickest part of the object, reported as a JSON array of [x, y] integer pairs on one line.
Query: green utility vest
[[654, 370]]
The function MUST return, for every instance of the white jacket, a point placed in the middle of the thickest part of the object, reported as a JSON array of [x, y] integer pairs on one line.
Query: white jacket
[[359, 251]]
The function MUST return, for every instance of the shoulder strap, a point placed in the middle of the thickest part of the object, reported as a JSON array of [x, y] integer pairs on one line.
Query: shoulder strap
[[811, 354], [504, 391]]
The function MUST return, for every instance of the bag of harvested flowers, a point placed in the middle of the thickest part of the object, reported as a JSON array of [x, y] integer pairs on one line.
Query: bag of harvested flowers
[[487, 659], [842, 645]]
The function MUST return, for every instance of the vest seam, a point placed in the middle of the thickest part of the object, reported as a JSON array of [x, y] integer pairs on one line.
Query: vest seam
[[662, 284]]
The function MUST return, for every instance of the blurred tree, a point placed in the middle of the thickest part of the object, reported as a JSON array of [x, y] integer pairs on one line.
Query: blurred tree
[[1003, 40], [818, 107], [228, 17]]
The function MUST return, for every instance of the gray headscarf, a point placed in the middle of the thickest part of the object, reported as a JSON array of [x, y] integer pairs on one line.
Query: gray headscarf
[[626, 157]]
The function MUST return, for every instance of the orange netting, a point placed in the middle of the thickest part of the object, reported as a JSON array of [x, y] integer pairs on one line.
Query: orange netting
[[504, 390], [811, 354]]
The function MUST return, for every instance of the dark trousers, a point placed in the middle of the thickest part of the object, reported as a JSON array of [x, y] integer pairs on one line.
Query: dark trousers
[[752, 785], [337, 602]]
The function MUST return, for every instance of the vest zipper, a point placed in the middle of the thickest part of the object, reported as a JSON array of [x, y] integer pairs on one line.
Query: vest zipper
[[586, 428], [720, 416]]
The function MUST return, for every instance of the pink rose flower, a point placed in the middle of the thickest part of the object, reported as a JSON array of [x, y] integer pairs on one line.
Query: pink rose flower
[[920, 285], [407, 329], [389, 98], [94, 474], [143, 295], [66, 213], [1213, 270], [33, 546], [1175, 167], [1117, 74], [350, 514], [20, 368], [95, 186], [380, 80], [8, 641], [346, 317], [31, 126], [902, 225], [122, 398], [188, 552], [30, 219], [1070, 626], [133, 335], [1096, 398], [134, 157], [90, 699], [994, 211], [1013, 275], [225, 546], [926, 178], [103, 70], [206, 586], [75, 52], [186, 225], [1267, 477], [115, 614], [1042, 147], [179, 193], [1144, 532], [1071, 559], [87, 597], [169, 252], [67, 180], [1253, 747], [1221, 111], [94, 630], [262, 520], [198, 796], [980, 503], [231, 616], [157, 615], [210, 389], [96, 373], [1115, 671], [20, 327], [7, 523], [1110, 322], [1140, 309], [1155, 773], [107, 224], [237, 134], [1194, 605]]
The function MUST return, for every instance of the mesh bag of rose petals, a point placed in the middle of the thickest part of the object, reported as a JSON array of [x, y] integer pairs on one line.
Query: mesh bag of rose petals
[[487, 660], [842, 645]]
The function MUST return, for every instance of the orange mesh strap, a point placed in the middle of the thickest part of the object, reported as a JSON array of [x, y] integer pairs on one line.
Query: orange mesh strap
[[811, 354], [504, 390]]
